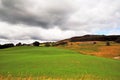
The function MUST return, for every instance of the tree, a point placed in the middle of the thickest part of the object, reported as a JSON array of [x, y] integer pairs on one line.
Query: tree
[[19, 44], [36, 43]]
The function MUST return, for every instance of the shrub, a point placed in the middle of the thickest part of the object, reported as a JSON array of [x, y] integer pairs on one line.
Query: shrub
[[107, 43], [94, 42], [47, 44], [53, 44]]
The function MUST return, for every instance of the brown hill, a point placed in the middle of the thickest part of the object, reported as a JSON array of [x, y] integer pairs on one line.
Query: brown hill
[[91, 38]]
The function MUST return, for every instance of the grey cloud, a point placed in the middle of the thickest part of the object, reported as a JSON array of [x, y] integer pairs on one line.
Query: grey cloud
[[51, 13], [24, 36], [15, 12], [56, 19], [3, 37]]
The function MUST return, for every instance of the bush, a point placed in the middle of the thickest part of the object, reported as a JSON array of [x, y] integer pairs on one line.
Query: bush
[[53, 44], [47, 44], [94, 43], [36, 43], [107, 43]]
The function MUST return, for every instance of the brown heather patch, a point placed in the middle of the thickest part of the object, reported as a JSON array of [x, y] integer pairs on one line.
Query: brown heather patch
[[108, 51], [99, 49]]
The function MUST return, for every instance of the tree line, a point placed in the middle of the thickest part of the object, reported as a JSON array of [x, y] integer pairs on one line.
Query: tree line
[[63, 42], [36, 43]]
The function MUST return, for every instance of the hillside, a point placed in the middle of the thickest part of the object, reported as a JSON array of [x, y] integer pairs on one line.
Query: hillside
[[91, 38], [94, 45], [95, 48]]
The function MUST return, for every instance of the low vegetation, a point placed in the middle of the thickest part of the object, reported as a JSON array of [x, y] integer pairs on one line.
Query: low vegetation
[[96, 48], [50, 63]]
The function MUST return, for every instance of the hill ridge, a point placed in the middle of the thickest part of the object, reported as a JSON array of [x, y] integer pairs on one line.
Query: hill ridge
[[91, 38]]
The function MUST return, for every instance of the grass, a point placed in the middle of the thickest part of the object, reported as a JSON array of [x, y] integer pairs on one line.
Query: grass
[[99, 49], [54, 63]]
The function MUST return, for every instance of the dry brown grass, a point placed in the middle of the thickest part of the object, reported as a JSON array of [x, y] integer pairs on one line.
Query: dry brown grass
[[84, 77], [108, 51], [99, 49]]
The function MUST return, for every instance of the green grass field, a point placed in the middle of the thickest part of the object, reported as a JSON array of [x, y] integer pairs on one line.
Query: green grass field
[[53, 62]]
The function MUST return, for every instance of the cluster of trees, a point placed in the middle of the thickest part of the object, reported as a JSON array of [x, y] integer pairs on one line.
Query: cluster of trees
[[6, 46], [36, 43], [46, 44]]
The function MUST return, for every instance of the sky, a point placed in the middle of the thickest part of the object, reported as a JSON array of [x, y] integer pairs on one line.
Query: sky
[[52, 20]]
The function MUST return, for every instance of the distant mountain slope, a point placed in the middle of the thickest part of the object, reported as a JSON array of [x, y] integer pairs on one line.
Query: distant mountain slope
[[92, 38]]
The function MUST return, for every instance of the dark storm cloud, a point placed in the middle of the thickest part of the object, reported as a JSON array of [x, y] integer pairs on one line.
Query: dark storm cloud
[[15, 12]]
